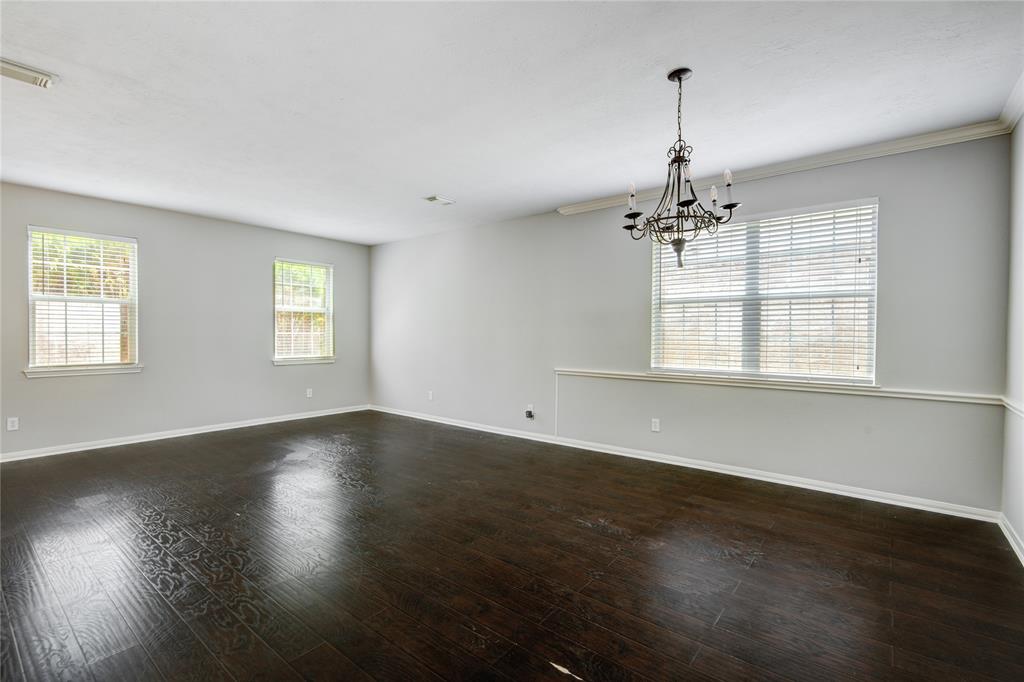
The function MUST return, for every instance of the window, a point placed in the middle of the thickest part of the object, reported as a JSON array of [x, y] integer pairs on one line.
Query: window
[[83, 301], [790, 297], [303, 312]]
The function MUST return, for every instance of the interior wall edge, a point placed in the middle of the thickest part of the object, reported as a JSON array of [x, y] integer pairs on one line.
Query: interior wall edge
[[1012, 536], [1013, 407], [949, 508], [172, 433]]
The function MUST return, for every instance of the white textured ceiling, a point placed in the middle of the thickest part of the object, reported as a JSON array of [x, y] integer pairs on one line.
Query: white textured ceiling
[[337, 118]]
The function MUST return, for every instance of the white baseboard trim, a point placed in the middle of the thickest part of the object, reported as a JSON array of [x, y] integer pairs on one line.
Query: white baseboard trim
[[784, 479], [173, 433], [1012, 537]]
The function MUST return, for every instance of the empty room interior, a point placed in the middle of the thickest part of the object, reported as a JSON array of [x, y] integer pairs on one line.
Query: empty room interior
[[572, 341]]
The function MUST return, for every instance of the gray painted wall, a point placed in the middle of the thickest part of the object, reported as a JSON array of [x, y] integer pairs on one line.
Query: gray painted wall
[[482, 316], [1013, 458], [207, 359]]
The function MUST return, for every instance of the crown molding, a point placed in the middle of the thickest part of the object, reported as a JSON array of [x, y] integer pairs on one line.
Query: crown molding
[[939, 138], [1014, 107]]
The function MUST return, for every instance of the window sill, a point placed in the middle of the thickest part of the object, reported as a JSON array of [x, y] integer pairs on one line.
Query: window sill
[[745, 379], [79, 370], [304, 361]]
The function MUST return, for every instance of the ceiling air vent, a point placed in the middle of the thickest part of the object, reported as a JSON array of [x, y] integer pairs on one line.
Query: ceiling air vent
[[438, 199], [26, 74]]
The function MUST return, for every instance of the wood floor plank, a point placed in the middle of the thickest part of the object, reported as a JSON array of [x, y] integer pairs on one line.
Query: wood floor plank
[[672, 644], [350, 634], [755, 653], [174, 649], [48, 646], [23, 580], [624, 650], [912, 666], [440, 654], [997, 623], [842, 644], [10, 659], [325, 663], [130, 665], [721, 666], [100, 629], [960, 648], [423, 607], [237, 648]]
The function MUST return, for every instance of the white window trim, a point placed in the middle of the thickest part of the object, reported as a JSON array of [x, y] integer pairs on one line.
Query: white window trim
[[800, 210], [318, 360], [780, 380], [85, 370], [740, 379], [80, 370], [326, 360]]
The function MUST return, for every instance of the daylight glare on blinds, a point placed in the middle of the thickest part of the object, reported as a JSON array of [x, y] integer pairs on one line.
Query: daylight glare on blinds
[[303, 310], [789, 298], [83, 300]]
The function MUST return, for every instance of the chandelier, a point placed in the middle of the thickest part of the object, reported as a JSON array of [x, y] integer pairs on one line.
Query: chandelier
[[680, 217]]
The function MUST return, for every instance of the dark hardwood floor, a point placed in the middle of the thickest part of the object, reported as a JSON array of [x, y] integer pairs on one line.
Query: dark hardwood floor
[[371, 546]]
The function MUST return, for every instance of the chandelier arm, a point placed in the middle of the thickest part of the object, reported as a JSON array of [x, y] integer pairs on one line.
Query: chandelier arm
[[666, 195], [679, 184]]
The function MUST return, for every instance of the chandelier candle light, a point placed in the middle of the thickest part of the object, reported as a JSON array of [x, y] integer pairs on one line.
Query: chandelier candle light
[[680, 217]]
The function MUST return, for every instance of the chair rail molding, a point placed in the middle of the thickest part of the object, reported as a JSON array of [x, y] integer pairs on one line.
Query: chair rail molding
[[804, 386]]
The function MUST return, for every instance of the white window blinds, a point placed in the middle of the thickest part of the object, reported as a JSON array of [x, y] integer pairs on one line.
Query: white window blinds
[[83, 299], [303, 310], [791, 297]]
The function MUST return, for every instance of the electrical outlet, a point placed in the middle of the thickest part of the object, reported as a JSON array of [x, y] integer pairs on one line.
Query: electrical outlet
[[656, 425], [13, 424], [529, 411], [309, 393], [430, 395]]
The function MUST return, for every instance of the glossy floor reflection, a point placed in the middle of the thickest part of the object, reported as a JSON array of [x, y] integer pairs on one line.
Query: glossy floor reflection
[[371, 546]]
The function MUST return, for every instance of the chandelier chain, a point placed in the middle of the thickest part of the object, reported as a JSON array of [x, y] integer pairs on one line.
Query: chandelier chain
[[679, 111]]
